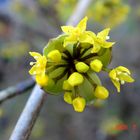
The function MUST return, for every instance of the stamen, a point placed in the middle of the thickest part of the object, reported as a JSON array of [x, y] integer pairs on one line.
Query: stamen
[[107, 37], [32, 63], [122, 82], [35, 57], [34, 72]]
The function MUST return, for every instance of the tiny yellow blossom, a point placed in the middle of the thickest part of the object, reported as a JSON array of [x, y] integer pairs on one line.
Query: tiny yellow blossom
[[38, 66], [55, 56], [101, 92], [100, 40], [81, 67], [119, 76], [42, 80], [77, 34], [75, 79], [79, 104], [96, 65], [68, 97]]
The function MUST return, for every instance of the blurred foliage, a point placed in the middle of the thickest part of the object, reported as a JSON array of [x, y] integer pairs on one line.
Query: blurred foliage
[[109, 125], [109, 13], [14, 50]]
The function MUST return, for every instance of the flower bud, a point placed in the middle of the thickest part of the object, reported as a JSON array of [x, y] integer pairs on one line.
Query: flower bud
[[96, 65], [79, 104], [81, 67], [42, 80], [101, 92], [68, 97], [66, 85], [54, 55], [75, 79]]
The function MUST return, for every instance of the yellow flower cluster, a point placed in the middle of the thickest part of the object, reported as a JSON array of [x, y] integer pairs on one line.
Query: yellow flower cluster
[[71, 62], [79, 34]]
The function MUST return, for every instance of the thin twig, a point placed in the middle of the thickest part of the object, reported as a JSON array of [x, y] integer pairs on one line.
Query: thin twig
[[28, 117], [34, 104], [16, 90]]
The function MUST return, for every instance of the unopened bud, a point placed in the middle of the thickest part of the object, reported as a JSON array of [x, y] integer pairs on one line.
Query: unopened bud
[[96, 65], [75, 79], [68, 97], [82, 67], [79, 104], [101, 92], [54, 55]]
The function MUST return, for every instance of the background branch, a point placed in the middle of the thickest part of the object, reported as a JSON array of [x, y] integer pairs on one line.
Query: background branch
[[31, 111], [16, 90]]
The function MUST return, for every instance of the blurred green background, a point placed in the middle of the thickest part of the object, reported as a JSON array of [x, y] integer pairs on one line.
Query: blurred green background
[[27, 26]]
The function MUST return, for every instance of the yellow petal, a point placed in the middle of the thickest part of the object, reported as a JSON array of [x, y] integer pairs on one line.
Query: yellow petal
[[32, 71], [116, 84], [112, 74], [108, 44], [82, 24], [92, 34], [36, 55], [42, 79], [123, 69], [126, 78], [96, 48], [70, 40], [67, 29], [103, 34], [85, 38]]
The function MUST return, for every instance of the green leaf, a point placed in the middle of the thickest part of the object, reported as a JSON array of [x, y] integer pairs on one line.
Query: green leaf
[[56, 43], [94, 77], [105, 56], [86, 89], [55, 88]]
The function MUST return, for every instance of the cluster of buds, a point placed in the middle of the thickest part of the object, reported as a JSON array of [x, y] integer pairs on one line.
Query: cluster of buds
[[70, 64]]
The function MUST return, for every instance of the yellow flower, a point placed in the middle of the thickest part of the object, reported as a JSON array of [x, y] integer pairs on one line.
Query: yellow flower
[[77, 34], [39, 66], [79, 104], [100, 40], [119, 76], [101, 92], [96, 65]]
